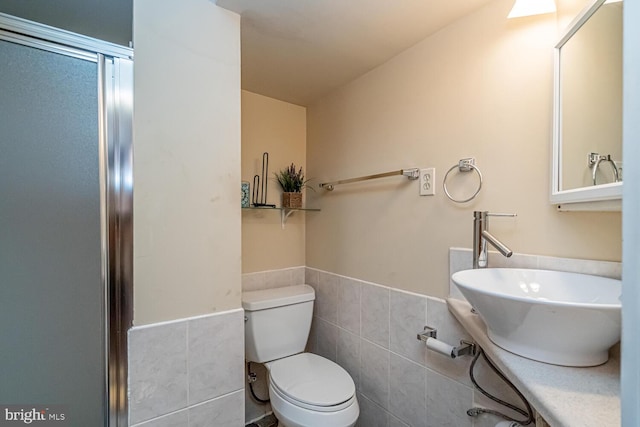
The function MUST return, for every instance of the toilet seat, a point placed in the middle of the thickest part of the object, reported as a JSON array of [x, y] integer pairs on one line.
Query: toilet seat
[[273, 389], [312, 382]]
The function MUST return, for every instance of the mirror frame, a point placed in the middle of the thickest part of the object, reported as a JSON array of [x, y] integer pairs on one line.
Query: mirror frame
[[600, 197]]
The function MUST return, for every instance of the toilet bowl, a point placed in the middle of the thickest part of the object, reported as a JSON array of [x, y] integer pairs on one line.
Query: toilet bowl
[[306, 390]]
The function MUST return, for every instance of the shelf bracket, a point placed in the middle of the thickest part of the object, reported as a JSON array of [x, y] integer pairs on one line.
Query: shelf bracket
[[284, 215]]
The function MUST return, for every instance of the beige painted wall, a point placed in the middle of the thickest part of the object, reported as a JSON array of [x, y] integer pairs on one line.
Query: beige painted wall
[[481, 87], [186, 159], [278, 128]]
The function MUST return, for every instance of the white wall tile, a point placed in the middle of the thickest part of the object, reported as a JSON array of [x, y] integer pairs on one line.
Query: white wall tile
[[326, 339], [176, 419], [497, 260], [157, 370], [225, 411], [253, 281], [311, 277], [447, 402], [173, 365], [298, 276], [273, 278], [394, 422], [327, 297], [374, 314], [407, 391], [374, 373], [349, 304], [216, 356], [371, 415], [278, 278], [449, 329], [349, 354], [408, 318], [598, 268]]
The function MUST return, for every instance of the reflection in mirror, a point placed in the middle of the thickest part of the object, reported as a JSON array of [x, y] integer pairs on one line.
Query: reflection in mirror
[[587, 164], [591, 101]]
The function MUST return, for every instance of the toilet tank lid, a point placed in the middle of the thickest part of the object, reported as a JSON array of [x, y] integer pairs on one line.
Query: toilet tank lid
[[277, 297]]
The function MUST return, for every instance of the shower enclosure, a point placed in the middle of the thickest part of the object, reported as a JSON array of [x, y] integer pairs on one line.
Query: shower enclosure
[[65, 225]]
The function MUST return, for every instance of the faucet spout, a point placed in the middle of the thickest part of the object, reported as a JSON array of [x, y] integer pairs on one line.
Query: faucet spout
[[501, 247], [481, 236]]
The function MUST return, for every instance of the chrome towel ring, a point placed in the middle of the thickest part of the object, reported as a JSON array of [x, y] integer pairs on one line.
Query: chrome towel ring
[[464, 165], [594, 160]]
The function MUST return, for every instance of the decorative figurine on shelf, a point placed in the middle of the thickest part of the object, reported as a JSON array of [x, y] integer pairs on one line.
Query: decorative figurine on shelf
[[292, 183], [244, 201]]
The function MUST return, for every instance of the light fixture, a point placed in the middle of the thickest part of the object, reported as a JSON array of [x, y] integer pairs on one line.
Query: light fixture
[[531, 7]]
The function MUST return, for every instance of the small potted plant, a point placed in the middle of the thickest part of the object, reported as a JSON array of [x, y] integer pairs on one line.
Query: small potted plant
[[292, 183]]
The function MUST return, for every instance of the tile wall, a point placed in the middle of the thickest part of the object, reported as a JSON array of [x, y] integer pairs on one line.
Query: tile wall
[[370, 330], [188, 373]]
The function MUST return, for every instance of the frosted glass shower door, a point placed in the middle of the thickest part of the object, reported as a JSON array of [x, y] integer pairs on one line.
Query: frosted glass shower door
[[52, 297]]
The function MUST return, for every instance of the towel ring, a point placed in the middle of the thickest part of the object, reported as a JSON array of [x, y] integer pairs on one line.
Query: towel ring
[[594, 162], [464, 165]]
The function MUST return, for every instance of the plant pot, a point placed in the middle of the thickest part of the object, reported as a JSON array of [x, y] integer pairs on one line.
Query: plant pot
[[291, 200]]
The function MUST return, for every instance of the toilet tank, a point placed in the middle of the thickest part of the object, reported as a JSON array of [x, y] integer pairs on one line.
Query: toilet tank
[[278, 322]]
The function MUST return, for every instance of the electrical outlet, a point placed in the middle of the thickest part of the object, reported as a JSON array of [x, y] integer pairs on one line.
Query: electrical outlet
[[428, 182]]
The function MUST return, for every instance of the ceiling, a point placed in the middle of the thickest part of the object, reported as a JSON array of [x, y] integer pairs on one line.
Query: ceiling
[[298, 50]]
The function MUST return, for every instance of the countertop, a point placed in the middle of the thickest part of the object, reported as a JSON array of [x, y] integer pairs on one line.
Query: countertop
[[564, 396]]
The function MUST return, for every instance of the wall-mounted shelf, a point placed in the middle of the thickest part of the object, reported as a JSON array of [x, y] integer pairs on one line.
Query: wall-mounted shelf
[[284, 212]]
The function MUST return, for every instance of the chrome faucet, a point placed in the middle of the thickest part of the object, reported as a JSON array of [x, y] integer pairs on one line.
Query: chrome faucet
[[481, 236]]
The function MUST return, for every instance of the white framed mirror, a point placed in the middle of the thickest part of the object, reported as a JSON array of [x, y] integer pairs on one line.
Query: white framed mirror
[[587, 168]]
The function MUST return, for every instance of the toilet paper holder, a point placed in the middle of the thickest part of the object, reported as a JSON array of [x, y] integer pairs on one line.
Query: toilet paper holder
[[429, 336]]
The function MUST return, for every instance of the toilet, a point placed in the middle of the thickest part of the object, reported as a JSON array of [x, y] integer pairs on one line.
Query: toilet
[[306, 390]]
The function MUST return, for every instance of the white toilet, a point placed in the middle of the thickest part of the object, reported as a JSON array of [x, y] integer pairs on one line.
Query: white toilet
[[306, 390]]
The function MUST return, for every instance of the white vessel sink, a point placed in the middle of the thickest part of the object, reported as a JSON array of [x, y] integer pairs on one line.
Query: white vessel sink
[[554, 317]]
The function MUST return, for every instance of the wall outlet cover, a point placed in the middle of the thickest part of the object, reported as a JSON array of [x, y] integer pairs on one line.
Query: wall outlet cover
[[428, 182]]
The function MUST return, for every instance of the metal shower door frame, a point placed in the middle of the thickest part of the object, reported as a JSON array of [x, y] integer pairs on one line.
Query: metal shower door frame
[[115, 121]]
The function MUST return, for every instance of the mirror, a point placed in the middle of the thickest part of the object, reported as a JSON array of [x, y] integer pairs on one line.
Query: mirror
[[587, 146]]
